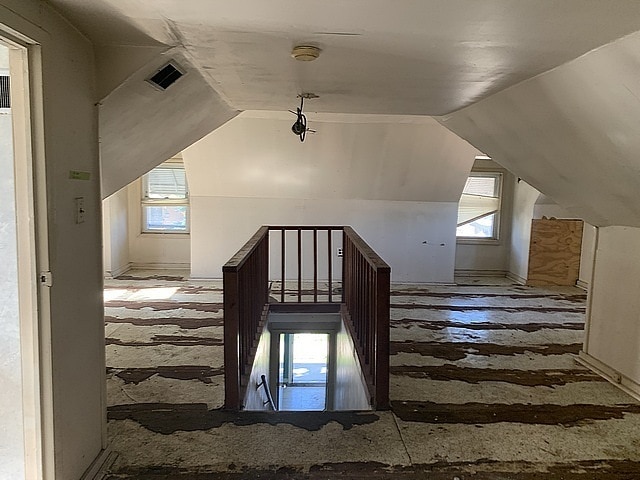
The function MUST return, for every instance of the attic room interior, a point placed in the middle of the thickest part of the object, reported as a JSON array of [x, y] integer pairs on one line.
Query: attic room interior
[[112, 348]]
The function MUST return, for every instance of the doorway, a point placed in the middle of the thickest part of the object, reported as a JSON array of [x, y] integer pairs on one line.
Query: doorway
[[26, 445], [302, 372]]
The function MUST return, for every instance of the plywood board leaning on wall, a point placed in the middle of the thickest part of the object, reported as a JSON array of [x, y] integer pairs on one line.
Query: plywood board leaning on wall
[[554, 252]]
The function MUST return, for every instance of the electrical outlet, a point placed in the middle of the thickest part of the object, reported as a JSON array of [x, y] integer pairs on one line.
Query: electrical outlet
[[339, 251], [80, 211]]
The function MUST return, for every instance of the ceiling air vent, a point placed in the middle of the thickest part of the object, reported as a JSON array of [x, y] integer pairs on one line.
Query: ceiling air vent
[[4, 92], [166, 76]]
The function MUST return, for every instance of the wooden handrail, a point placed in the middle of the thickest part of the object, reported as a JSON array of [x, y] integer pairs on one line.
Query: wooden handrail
[[369, 253], [245, 299], [366, 283], [243, 254], [264, 384]]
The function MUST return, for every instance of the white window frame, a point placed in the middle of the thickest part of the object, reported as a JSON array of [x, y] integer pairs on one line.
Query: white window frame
[[495, 238], [161, 202]]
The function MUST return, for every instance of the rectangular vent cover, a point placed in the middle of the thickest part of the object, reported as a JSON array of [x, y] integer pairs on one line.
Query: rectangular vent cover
[[4, 92], [166, 76]]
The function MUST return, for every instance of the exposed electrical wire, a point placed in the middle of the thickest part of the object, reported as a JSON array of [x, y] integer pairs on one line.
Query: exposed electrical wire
[[300, 126]]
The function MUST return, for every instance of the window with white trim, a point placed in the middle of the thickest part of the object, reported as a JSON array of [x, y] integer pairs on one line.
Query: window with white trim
[[165, 199], [479, 207]]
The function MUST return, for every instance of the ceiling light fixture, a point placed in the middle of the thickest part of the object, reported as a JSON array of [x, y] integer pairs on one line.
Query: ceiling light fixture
[[299, 128], [305, 53]]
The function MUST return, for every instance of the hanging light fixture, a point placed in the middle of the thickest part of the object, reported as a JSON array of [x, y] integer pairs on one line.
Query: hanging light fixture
[[299, 128]]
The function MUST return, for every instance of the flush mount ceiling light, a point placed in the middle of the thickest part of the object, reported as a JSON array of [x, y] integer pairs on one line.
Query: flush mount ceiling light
[[305, 53]]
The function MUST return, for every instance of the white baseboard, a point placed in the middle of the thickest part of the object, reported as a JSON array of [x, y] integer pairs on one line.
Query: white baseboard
[[624, 383], [120, 270], [480, 273], [516, 278], [161, 266], [192, 277], [98, 469], [582, 284]]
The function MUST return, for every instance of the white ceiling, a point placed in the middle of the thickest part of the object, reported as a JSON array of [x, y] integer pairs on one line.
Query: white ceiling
[[413, 57]]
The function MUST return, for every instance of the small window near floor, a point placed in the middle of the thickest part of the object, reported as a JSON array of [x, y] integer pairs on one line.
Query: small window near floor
[[165, 199], [479, 207]]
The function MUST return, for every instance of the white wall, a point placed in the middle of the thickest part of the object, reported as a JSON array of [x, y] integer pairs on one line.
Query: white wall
[[613, 334], [255, 397], [396, 180], [350, 391], [115, 230], [70, 133], [587, 255], [395, 230], [524, 198], [546, 207]]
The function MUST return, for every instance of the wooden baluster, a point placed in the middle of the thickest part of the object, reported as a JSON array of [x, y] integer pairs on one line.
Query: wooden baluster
[[299, 265], [329, 264], [315, 265], [383, 287], [283, 259], [231, 340]]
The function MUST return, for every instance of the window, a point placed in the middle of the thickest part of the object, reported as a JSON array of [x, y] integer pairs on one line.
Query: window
[[165, 200], [479, 207]]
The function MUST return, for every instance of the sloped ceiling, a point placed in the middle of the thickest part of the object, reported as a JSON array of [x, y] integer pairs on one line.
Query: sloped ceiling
[[427, 57], [520, 80], [573, 133], [141, 127]]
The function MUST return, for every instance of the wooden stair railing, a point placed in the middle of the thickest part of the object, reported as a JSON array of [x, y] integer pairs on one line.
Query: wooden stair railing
[[365, 296]]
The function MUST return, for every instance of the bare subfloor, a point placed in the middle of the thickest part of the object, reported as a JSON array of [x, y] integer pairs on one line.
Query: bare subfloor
[[484, 385]]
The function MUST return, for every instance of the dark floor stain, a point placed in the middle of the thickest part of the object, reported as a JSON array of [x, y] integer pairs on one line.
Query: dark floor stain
[[159, 306], [306, 292], [178, 340], [528, 378], [484, 413], [577, 298], [196, 289], [186, 323], [523, 327], [479, 470], [189, 289], [178, 372], [459, 350], [168, 418], [169, 278], [492, 308]]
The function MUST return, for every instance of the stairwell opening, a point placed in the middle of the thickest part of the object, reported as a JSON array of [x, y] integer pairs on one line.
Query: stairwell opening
[[267, 306], [306, 361]]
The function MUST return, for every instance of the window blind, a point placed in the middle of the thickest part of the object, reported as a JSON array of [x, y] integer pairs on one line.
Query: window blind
[[166, 183]]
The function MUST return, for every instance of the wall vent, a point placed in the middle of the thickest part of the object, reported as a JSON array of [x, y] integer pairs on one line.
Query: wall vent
[[166, 76], [5, 96]]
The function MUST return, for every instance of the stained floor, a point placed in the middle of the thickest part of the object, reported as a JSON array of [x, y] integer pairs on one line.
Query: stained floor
[[484, 385]]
